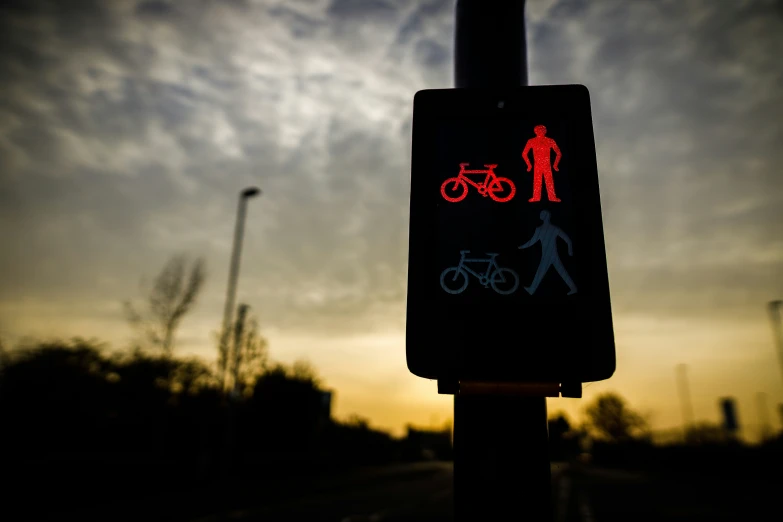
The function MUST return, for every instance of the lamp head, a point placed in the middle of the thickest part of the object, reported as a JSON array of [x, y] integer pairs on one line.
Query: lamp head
[[251, 192]]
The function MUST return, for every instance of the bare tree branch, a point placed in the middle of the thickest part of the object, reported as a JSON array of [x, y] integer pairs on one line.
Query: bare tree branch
[[188, 299], [253, 355], [141, 324], [170, 299]]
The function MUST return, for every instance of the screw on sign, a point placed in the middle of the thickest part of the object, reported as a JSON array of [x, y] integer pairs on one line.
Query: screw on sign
[[456, 189]]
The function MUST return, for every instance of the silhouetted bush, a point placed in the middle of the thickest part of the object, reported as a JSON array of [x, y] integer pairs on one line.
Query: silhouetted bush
[[564, 441], [609, 418], [77, 418]]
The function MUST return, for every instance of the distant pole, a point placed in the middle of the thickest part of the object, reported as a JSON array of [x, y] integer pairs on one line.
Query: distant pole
[[764, 428], [233, 275], [774, 308], [731, 425], [685, 397]]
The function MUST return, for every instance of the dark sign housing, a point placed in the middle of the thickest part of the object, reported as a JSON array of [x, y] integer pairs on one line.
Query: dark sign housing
[[507, 277]]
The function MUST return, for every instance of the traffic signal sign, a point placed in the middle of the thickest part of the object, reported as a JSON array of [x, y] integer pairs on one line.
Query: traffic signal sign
[[507, 276]]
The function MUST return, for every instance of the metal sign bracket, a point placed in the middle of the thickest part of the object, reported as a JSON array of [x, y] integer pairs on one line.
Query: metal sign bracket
[[518, 389]]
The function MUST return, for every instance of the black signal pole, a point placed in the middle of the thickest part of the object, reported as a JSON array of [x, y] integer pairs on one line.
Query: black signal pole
[[501, 458]]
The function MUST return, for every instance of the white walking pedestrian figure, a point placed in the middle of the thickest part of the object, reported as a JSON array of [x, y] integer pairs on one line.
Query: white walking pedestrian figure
[[548, 233]]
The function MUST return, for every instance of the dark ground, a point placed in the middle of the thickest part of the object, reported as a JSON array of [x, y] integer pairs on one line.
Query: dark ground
[[610, 495], [423, 492]]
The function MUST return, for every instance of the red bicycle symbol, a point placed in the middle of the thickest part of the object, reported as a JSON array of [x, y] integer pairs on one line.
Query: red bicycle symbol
[[456, 189]]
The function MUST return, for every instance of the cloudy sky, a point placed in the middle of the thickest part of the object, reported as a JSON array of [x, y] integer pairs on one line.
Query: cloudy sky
[[127, 128]]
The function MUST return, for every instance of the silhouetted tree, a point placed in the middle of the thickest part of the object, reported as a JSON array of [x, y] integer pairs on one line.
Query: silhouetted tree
[[706, 434], [303, 370], [139, 422], [289, 403], [356, 442], [609, 418], [53, 385], [173, 294], [301, 374], [355, 420], [191, 376], [558, 426], [252, 357], [564, 440], [5, 357]]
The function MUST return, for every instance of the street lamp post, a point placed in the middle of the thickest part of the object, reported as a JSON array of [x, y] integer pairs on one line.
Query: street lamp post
[[233, 275]]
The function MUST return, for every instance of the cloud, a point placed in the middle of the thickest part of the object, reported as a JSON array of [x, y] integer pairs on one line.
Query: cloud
[[686, 107], [130, 138], [154, 8], [127, 130]]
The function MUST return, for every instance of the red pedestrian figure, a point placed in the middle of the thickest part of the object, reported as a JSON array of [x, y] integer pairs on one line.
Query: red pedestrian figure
[[542, 146]]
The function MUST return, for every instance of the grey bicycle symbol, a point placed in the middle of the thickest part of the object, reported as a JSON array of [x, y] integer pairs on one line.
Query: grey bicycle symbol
[[454, 280]]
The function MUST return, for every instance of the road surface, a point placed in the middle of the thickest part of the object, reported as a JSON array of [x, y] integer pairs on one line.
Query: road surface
[[611, 495], [423, 492], [417, 492]]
